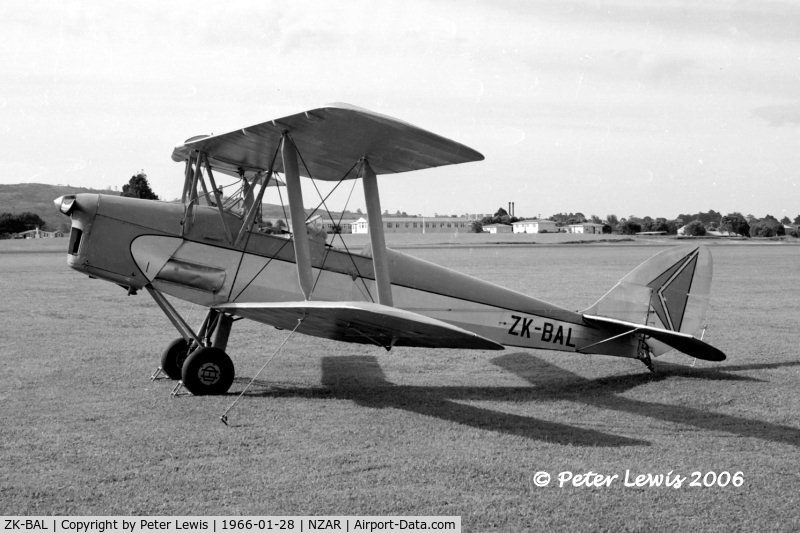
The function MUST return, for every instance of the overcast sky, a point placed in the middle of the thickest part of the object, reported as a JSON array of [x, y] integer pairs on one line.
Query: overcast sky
[[625, 107]]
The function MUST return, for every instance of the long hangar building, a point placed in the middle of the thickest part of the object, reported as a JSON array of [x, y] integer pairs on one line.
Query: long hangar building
[[447, 225], [407, 224], [418, 225]]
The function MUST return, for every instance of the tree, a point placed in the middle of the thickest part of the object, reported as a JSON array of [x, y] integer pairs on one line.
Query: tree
[[138, 187], [695, 228], [705, 218], [786, 221], [10, 223], [735, 223], [500, 217], [565, 219], [767, 227], [672, 227], [612, 221], [476, 227], [667, 226], [631, 227], [797, 220]]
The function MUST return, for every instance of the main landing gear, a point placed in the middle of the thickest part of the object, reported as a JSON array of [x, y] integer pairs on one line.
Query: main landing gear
[[207, 370], [643, 354], [202, 370], [174, 356], [198, 360]]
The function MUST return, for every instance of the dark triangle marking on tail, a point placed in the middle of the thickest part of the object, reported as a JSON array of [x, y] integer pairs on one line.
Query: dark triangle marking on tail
[[676, 294], [671, 291]]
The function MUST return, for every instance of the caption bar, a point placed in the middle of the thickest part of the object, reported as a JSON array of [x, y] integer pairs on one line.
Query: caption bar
[[222, 524]]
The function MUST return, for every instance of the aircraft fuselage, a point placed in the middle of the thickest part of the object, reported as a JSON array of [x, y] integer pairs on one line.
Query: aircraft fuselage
[[135, 243]]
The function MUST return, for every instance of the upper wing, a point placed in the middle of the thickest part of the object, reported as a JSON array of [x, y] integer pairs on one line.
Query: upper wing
[[330, 141], [683, 342], [363, 323]]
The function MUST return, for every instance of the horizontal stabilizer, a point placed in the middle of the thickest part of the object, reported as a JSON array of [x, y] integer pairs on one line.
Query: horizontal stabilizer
[[683, 342], [330, 140], [361, 322]]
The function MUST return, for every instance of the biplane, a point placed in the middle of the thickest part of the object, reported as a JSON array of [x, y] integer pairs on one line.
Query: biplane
[[211, 249]]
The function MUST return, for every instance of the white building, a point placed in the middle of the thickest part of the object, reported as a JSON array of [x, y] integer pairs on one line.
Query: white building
[[38, 234], [345, 226], [498, 228], [417, 225], [585, 227], [535, 226]]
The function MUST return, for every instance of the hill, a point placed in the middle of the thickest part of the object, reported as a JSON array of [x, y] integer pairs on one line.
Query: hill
[[38, 198]]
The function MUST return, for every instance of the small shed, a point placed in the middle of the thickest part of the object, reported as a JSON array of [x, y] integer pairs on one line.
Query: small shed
[[498, 228], [535, 225], [585, 227]]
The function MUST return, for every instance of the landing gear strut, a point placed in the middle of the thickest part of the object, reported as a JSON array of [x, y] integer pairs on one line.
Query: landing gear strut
[[198, 361]]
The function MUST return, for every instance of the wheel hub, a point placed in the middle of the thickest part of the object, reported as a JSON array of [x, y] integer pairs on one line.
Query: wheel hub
[[208, 373]]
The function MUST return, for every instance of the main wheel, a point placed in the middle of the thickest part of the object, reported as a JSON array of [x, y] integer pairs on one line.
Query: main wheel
[[173, 357], [207, 370]]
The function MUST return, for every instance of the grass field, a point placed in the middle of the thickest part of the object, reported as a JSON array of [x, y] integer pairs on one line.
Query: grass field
[[331, 428]]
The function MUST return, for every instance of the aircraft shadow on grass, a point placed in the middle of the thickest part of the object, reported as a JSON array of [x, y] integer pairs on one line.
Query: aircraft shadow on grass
[[361, 379]]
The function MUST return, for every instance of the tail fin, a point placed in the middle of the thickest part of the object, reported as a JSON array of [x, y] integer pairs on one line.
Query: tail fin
[[668, 291]]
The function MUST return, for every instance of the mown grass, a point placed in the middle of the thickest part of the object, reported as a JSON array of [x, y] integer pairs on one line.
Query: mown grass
[[331, 428]]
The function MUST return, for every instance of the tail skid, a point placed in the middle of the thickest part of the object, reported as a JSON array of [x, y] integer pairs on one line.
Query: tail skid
[[663, 301]]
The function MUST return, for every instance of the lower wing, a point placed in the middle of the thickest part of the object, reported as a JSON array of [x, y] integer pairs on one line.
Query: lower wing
[[362, 323]]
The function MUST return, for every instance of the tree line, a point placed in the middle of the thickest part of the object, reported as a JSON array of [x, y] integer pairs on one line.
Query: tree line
[[699, 224], [696, 224], [11, 223]]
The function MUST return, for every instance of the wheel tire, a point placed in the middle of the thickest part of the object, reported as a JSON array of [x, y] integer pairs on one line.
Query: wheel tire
[[173, 357], [207, 371]]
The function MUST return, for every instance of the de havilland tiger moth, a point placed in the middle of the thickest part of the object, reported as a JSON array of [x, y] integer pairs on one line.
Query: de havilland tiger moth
[[210, 250]]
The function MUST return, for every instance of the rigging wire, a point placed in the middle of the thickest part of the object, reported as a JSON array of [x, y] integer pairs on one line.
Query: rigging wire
[[250, 232], [358, 164], [226, 203], [314, 182], [224, 417]]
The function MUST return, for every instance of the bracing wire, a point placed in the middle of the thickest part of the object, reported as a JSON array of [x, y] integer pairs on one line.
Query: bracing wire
[[249, 232], [358, 165], [224, 417]]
